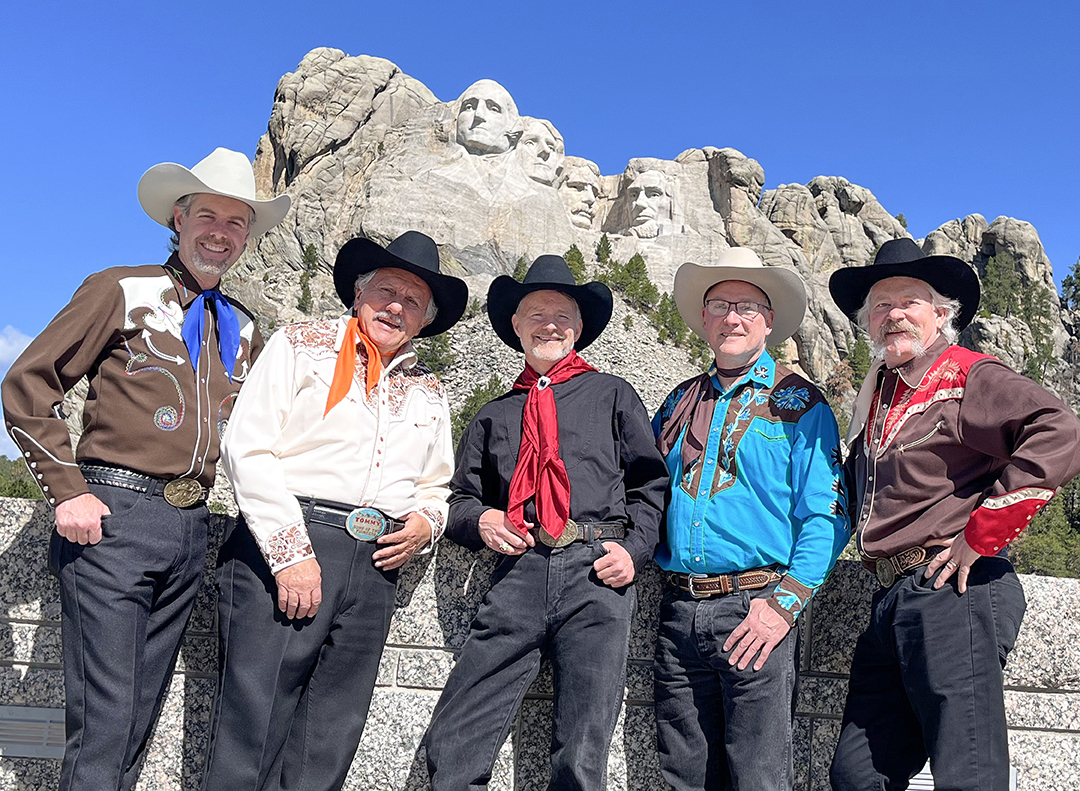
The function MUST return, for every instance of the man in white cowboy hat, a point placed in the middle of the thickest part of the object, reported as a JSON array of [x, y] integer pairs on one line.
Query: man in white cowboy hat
[[753, 526], [165, 353], [561, 477], [953, 454], [340, 453]]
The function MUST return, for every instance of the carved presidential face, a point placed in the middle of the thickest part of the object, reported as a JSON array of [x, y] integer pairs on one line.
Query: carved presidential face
[[650, 203], [541, 151], [579, 192], [487, 118]]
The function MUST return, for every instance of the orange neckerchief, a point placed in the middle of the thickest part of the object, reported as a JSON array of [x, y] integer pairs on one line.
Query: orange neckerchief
[[346, 364]]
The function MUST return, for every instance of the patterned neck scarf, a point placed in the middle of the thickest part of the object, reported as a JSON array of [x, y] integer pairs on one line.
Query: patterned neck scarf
[[540, 471], [346, 364]]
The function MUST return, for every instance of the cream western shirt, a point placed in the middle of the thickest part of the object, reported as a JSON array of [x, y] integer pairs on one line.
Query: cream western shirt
[[390, 450]]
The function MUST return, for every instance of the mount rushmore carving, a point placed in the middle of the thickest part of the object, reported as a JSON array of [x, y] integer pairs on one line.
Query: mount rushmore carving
[[364, 149]]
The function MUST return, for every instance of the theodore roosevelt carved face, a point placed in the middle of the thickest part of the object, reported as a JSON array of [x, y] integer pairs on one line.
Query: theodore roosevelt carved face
[[487, 119], [580, 192]]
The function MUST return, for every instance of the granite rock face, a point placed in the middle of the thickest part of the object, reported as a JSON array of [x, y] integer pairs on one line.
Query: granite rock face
[[364, 149], [437, 597]]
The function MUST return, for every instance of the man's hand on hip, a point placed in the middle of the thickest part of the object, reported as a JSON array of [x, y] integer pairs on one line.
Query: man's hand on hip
[[398, 548], [759, 633], [300, 589], [79, 519], [616, 568], [499, 533], [958, 556]]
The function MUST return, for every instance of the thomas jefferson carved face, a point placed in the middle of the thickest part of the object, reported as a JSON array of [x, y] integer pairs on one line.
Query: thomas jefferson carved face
[[650, 204], [541, 151], [579, 193], [487, 118]]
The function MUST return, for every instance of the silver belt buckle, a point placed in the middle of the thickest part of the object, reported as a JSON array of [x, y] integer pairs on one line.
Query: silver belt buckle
[[183, 492], [692, 590], [885, 571], [366, 524], [568, 536]]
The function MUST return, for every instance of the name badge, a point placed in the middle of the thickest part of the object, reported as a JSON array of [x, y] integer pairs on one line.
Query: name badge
[[365, 524]]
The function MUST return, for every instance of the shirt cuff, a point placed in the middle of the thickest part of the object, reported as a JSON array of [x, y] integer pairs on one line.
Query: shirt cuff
[[789, 598], [438, 526], [285, 547], [998, 521]]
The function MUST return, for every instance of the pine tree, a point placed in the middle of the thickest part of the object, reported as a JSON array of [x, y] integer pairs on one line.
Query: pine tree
[[311, 258], [521, 268], [304, 301], [1070, 287], [1000, 287], [603, 249], [859, 359], [576, 261], [1035, 310], [639, 287], [435, 352], [477, 397], [900, 218]]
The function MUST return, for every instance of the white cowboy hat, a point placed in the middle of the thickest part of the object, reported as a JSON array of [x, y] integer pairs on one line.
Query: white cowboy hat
[[224, 172], [784, 288]]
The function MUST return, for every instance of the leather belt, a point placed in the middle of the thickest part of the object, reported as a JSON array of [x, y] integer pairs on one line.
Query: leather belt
[[178, 492], [580, 531], [360, 522], [889, 569], [702, 586]]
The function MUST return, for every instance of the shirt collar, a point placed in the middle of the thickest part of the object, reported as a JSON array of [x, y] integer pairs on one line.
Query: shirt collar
[[913, 371], [405, 358], [186, 285], [763, 371]]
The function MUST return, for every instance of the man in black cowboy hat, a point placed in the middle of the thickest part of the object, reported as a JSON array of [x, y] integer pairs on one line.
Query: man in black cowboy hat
[[953, 454], [165, 353], [562, 478], [340, 460]]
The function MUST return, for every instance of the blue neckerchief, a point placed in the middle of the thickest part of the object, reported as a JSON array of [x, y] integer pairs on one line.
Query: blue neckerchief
[[228, 329]]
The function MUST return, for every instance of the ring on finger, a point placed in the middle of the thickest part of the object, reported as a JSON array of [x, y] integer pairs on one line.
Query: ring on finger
[[952, 564], [504, 547]]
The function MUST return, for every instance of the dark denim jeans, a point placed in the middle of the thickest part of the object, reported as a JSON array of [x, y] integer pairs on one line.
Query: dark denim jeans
[[719, 727], [926, 681], [125, 603], [546, 602]]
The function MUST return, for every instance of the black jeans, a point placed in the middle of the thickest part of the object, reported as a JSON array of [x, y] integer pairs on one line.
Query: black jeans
[[546, 602], [719, 727], [125, 603], [293, 695], [926, 682]]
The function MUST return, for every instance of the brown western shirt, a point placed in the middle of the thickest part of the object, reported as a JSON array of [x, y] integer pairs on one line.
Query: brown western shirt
[[147, 409], [957, 441]]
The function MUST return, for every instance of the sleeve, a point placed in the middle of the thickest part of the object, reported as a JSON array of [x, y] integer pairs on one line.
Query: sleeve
[[1009, 417], [645, 476], [272, 514], [819, 509], [433, 485], [467, 490], [33, 390]]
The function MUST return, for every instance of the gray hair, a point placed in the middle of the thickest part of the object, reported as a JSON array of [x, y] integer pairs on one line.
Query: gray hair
[[183, 203], [939, 302], [364, 278]]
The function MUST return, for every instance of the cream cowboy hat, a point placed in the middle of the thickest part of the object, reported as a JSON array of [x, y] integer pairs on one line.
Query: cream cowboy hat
[[784, 288], [224, 172]]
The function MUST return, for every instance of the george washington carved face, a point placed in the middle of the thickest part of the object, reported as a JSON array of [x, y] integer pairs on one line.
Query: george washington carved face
[[487, 120]]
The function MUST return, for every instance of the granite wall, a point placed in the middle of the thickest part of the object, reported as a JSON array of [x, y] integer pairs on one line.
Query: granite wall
[[437, 597]]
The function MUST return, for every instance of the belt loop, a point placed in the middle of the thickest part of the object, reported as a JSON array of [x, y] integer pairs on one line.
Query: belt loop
[[591, 540], [309, 510], [735, 582]]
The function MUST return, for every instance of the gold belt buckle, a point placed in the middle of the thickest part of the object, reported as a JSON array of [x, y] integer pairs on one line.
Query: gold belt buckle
[[568, 536], [183, 492], [885, 571]]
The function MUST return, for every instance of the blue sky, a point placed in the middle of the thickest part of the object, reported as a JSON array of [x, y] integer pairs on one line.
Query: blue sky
[[940, 109]]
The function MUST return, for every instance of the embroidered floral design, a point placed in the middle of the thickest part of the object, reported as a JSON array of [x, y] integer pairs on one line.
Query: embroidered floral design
[[793, 398], [836, 457], [316, 338], [761, 372], [287, 545], [438, 525], [166, 418]]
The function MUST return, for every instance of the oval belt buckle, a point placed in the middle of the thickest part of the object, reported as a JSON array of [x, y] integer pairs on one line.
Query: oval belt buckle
[[182, 492], [886, 574], [568, 536], [365, 524]]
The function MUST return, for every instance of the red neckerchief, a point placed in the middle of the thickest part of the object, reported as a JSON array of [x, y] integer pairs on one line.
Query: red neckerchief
[[540, 471]]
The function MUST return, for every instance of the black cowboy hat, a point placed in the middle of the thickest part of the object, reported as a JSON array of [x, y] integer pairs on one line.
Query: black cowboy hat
[[414, 252], [949, 276], [548, 273]]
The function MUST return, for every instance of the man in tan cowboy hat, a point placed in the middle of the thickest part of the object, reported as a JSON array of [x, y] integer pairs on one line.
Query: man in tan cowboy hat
[[754, 525], [953, 453], [165, 353], [561, 477], [340, 454]]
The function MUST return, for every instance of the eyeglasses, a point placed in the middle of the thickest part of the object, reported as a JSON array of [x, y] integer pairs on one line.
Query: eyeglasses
[[744, 307]]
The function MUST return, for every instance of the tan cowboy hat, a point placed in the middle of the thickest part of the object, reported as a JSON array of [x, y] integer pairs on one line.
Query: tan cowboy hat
[[784, 288], [224, 172]]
